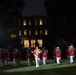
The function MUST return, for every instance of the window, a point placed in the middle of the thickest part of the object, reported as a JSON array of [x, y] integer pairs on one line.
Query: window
[[46, 32], [19, 33], [40, 32], [29, 32], [13, 35], [36, 32], [40, 22], [25, 32], [33, 43], [35, 21], [40, 42], [26, 43], [29, 22], [24, 22]]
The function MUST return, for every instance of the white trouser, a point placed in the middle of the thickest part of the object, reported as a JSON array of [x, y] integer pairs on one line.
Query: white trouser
[[71, 59], [58, 60], [37, 60], [29, 61], [8, 61], [14, 62], [44, 60], [0, 63], [18, 61]]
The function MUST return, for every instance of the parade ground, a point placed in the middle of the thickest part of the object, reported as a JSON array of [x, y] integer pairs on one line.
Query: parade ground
[[51, 68]]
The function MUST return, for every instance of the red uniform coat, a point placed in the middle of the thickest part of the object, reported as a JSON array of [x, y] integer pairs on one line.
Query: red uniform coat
[[71, 52], [14, 54], [1, 54], [18, 55], [37, 53], [29, 55], [58, 53], [45, 54]]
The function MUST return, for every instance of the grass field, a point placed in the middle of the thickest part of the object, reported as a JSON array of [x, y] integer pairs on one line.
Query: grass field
[[51, 68]]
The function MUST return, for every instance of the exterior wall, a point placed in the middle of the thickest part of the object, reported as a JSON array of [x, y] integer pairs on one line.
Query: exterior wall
[[32, 29]]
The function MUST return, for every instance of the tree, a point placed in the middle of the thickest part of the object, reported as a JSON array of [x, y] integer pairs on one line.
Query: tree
[[61, 18], [10, 11]]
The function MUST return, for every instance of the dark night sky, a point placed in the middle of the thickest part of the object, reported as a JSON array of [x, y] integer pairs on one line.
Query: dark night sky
[[34, 7]]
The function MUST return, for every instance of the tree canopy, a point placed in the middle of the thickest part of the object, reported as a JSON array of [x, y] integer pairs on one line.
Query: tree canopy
[[10, 10], [61, 19]]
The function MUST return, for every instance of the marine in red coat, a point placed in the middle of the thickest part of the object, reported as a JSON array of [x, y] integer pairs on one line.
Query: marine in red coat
[[44, 55], [58, 53], [71, 53], [37, 53]]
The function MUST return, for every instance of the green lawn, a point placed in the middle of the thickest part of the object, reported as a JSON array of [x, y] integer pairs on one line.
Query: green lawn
[[51, 68]]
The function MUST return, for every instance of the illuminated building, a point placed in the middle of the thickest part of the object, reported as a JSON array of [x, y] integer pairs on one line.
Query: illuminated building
[[32, 29]]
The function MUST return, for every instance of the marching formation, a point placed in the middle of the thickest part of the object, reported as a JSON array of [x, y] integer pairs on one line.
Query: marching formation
[[37, 54], [6, 55]]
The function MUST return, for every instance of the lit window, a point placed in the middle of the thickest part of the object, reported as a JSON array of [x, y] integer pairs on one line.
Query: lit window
[[40, 42], [46, 32], [13, 35], [29, 32], [24, 22], [25, 32], [26, 43], [40, 22], [41, 32], [29, 22], [19, 33], [36, 32], [33, 43]]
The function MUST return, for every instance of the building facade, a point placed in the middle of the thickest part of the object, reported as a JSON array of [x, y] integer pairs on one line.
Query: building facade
[[32, 30]]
